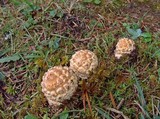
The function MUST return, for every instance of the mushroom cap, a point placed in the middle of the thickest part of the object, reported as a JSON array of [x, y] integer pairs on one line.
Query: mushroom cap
[[124, 46], [83, 62], [58, 84]]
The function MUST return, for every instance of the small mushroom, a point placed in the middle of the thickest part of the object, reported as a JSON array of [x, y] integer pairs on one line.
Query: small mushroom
[[58, 84], [124, 46], [83, 62]]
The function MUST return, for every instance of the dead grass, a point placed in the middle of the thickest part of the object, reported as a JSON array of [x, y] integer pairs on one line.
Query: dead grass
[[36, 36]]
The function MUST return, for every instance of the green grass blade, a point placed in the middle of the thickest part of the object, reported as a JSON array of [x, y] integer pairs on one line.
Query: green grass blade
[[103, 113], [140, 94], [64, 115], [2, 76], [14, 57], [141, 98], [30, 116], [3, 52], [159, 74]]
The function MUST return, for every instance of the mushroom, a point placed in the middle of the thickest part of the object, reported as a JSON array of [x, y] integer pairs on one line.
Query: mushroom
[[124, 46], [58, 84], [83, 62]]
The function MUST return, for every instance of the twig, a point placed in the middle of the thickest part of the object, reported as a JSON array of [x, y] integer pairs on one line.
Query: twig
[[155, 97], [89, 104], [84, 103], [118, 112], [144, 112], [112, 100], [152, 107], [71, 5], [157, 110], [84, 39], [120, 104], [58, 112]]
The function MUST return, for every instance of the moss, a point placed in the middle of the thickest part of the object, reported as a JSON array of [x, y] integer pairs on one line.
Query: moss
[[1, 101], [35, 106], [156, 6]]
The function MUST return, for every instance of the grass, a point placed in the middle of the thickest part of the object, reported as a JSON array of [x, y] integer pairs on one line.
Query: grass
[[37, 35]]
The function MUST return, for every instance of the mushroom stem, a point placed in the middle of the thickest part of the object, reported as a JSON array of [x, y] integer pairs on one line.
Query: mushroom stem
[[84, 103], [88, 101], [83, 94], [85, 97]]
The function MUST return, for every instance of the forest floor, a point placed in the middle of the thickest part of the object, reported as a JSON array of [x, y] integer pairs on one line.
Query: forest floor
[[37, 35]]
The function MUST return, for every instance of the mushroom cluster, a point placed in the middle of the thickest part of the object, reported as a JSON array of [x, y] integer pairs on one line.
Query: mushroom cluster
[[58, 84], [124, 46], [83, 62]]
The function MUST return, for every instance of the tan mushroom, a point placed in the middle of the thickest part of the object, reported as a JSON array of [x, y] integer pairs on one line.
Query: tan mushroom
[[83, 62], [58, 84], [124, 46]]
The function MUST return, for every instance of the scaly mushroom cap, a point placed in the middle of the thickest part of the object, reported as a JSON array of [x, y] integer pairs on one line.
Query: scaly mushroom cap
[[58, 84], [124, 46], [83, 62]]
